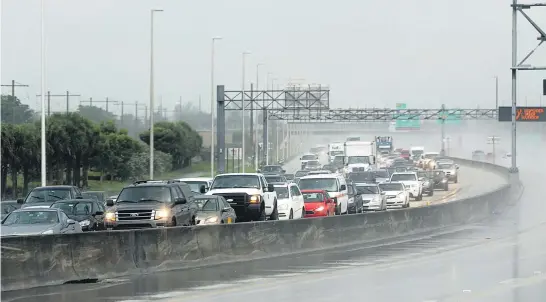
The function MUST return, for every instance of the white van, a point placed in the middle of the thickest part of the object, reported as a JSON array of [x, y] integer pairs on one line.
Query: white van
[[334, 184]]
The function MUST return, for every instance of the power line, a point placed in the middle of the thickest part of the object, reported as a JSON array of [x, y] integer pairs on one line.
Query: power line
[[67, 95]]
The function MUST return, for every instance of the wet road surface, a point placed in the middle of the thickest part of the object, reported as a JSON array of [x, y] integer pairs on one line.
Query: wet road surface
[[408, 269]]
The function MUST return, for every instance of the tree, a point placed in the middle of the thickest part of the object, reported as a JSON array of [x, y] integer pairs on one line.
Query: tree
[[96, 114], [14, 112]]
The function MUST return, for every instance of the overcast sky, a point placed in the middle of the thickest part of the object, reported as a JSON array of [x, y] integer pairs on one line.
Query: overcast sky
[[370, 53]]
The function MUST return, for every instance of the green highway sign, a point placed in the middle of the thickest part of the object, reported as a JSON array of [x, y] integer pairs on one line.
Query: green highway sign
[[404, 121], [450, 118]]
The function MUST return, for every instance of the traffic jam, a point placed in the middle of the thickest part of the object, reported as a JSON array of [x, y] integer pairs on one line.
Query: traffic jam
[[340, 178]]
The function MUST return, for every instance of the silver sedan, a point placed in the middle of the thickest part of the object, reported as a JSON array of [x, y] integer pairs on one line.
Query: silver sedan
[[38, 221]]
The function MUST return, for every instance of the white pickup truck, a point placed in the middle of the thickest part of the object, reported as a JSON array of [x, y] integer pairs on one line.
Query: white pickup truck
[[249, 194]]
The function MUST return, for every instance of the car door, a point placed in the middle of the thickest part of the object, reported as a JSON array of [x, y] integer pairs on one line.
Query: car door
[[268, 196], [351, 196], [299, 200], [65, 227], [179, 210], [344, 198]]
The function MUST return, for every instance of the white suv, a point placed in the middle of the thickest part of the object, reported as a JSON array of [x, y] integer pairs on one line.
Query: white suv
[[289, 201], [411, 182], [249, 195]]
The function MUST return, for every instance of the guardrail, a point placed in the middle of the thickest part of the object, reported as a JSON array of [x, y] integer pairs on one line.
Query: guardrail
[[32, 261]]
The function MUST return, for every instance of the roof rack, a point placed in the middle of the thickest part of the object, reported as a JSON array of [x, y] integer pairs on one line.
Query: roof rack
[[138, 182]]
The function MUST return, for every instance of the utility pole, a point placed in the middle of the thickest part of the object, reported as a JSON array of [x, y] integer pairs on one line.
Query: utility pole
[[493, 141], [13, 85], [67, 96], [199, 103], [107, 101]]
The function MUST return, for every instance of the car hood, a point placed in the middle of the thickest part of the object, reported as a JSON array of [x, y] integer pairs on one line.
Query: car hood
[[79, 218], [350, 166], [448, 170], [37, 205], [250, 191], [408, 182], [202, 215], [393, 193], [369, 196], [136, 206], [310, 206], [24, 230]]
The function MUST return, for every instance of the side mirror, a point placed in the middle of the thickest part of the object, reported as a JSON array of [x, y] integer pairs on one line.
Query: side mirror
[[258, 171], [180, 200], [283, 171], [109, 202], [270, 188], [98, 213], [71, 221], [421, 178], [203, 189], [20, 200], [343, 187]]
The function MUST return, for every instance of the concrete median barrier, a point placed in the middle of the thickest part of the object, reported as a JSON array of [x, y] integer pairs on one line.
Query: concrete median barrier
[[55, 259]]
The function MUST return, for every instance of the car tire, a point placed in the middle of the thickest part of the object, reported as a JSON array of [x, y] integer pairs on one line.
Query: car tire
[[275, 214], [419, 197], [291, 216], [446, 187], [456, 180], [302, 213], [173, 222], [263, 216], [431, 192]]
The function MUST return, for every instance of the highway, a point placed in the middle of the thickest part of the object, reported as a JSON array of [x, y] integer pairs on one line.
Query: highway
[[428, 267]]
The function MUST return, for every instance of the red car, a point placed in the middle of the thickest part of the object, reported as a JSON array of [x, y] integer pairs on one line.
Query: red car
[[405, 154], [318, 203]]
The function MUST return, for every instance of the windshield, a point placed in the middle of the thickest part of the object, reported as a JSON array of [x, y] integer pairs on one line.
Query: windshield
[[301, 173], [99, 196], [313, 197], [47, 195], [315, 150], [358, 160], [32, 217], [334, 153], [417, 152], [327, 184], [367, 189], [338, 160], [362, 177], [404, 152], [381, 174], [313, 163], [422, 174], [430, 156], [207, 204], [353, 139], [145, 193], [403, 177], [195, 186], [308, 157], [236, 181], [275, 178], [75, 208], [282, 192], [272, 169], [445, 166], [439, 173], [391, 187]]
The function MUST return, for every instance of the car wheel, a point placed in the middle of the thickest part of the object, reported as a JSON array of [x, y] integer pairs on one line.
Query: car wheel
[[302, 213], [431, 192], [173, 222], [291, 214], [263, 216], [456, 180], [275, 214], [446, 187], [192, 222]]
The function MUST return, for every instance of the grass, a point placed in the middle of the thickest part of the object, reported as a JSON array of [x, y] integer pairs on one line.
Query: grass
[[201, 169]]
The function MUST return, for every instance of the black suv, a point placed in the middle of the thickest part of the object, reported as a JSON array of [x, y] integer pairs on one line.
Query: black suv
[[150, 204], [46, 196]]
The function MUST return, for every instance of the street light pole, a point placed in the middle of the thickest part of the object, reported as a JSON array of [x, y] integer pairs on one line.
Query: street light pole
[[256, 146], [243, 105], [496, 93], [152, 105], [42, 98], [212, 102]]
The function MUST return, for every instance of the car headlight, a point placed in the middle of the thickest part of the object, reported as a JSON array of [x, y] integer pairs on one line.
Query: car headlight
[[255, 199], [84, 223], [162, 214], [321, 208], [444, 180], [211, 220], [426, 183], [110, 216], [47, 232], [283, 206]]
